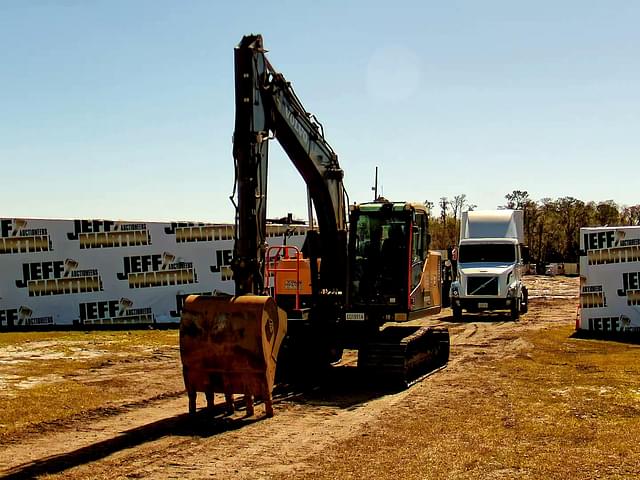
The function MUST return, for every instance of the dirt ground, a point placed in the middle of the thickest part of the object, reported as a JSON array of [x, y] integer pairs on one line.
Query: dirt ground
[[473, 419]]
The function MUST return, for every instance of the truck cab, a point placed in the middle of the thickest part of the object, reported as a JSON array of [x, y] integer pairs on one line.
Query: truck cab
[[491, 257]]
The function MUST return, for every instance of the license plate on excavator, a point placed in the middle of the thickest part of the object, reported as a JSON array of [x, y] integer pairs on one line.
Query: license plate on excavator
[[355, 316]]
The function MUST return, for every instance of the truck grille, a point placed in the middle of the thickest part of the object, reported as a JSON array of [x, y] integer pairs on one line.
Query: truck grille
[[482, 286]]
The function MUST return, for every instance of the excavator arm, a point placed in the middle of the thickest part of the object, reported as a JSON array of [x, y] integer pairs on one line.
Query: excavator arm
[[266, 108]]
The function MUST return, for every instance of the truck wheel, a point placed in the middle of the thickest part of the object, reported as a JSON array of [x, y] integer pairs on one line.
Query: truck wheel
[[457, 312], [515, 310], [524, 302]]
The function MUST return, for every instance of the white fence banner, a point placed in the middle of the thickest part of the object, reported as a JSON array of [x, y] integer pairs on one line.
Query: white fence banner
[[610, 279], [101, 272]]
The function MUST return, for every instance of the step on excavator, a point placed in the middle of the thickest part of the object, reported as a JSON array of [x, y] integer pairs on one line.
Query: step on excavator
[[363, 272]]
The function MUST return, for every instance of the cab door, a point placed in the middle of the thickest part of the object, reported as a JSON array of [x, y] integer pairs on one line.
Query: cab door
[[418, 261]]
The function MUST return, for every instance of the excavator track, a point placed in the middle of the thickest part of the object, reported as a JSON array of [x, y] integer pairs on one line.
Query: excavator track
[[401, 356]]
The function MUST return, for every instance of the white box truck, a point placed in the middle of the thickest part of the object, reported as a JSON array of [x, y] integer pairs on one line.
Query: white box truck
[[609, 280], [490, 263]]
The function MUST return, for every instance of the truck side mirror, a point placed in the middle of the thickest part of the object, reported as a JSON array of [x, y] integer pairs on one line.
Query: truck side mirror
[[524, 249]]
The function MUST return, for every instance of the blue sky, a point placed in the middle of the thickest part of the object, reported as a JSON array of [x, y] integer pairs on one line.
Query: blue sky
[[124, 109]]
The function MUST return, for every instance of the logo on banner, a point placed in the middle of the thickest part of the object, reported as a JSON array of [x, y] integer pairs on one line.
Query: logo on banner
[[186, 232], [611, 246], [15, 237], [22, 316], [592, 296], [180, 299], [157, 270], [114, 312], [630, 288], [223, 264], [109, 234], [612, 324], [58, 278]]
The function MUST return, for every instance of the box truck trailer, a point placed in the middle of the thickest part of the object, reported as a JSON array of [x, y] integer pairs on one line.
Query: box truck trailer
[[491, 257]]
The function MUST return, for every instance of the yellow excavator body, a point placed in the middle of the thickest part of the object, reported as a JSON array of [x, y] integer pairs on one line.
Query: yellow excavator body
[[431, 283], [230, 345]]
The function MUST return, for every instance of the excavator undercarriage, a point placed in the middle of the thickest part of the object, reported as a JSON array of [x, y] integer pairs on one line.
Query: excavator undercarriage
[[401, 356]]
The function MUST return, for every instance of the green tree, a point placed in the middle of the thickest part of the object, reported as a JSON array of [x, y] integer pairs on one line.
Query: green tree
[[608, 213], [631, 215], [517, 199]]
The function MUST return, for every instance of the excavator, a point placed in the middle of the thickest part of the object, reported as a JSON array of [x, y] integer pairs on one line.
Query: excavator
[[364, 270]]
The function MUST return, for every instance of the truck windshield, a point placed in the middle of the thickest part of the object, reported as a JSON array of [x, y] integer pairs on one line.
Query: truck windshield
[[488, 252]]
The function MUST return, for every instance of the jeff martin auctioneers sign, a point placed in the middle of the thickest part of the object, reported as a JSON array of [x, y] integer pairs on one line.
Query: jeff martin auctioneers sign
[[87, 271]]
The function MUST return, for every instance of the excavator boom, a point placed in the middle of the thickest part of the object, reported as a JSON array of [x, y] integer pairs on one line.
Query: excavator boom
[[267, 107]]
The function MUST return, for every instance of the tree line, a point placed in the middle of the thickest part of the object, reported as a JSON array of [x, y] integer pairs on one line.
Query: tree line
[[552, 226]]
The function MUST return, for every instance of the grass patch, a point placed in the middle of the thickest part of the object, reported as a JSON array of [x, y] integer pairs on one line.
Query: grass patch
[[573, 405], [51, 402], [121, 338], [53, 376]]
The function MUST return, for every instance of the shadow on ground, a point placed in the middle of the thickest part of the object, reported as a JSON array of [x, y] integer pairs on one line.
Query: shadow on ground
[[205, 423], [340, 387], [632, 338]]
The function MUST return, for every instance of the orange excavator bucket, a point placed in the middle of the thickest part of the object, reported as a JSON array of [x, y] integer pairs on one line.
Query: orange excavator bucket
[[230, 345]]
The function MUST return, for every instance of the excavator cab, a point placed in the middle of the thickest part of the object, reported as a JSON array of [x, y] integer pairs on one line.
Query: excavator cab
[[392, 274]]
